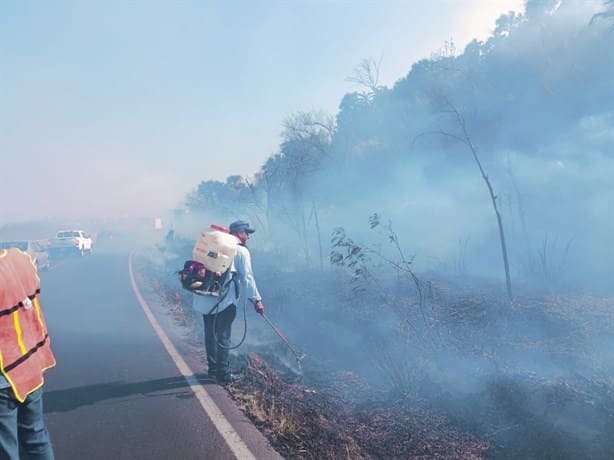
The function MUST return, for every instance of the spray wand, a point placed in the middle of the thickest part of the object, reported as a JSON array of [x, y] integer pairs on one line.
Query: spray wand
[[299, 356]]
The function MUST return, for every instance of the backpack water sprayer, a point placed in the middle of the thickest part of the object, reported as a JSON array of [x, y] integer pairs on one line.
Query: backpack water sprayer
[[207, 272]]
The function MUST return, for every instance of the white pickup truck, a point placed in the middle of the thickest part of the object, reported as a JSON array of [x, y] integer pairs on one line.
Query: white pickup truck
[[75, 241]]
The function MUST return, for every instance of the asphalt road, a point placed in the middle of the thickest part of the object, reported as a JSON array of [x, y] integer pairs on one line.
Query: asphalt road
[[116, 392]]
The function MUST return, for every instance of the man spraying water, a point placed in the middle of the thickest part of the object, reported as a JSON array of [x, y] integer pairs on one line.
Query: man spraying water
[[220, 311]]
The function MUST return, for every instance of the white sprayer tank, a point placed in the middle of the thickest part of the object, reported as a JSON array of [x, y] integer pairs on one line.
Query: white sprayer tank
[[215, 249]]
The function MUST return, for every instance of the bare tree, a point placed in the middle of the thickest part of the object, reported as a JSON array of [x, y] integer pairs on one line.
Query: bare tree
[[366, 75], [256, 203], [314, 214], [307, 140], [270, 176], [464, 138], [315, 129]]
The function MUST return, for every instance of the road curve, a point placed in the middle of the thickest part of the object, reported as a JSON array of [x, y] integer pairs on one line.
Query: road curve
[[121, 389]]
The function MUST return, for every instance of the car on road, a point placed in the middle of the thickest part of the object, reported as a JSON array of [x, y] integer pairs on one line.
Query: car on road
[[37, 249], [72, 241]]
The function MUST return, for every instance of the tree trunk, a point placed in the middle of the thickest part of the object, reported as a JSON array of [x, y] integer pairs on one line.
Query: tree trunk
[[317, 222], [493, 198]]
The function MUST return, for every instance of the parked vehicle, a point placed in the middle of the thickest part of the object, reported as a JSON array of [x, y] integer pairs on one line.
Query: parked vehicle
[[37, 249], [72, 241]]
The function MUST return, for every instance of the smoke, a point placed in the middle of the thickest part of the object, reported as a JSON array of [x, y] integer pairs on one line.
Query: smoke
[[534, 105]]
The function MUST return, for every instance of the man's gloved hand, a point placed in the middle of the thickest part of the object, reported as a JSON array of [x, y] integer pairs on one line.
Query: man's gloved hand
[[259, 307]]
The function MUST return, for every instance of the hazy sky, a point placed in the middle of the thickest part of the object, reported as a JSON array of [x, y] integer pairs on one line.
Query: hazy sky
[[120, 108]]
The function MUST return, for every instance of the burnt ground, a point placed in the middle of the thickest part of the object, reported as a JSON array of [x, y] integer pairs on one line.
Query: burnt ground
[[521, 408], [341, 417]]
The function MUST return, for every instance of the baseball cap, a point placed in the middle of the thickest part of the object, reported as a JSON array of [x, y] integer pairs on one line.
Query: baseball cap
[[240, 225]]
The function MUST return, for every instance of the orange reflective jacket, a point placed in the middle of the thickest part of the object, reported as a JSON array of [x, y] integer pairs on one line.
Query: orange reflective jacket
[[24, 344]]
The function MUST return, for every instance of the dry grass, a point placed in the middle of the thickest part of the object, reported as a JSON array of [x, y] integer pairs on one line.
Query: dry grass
[[306, 422]]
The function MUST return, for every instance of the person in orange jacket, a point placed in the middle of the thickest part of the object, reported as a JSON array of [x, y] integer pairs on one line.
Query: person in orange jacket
[[24, 356]]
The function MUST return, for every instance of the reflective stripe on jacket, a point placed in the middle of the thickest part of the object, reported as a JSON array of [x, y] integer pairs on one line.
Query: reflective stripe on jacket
[[24, 344]]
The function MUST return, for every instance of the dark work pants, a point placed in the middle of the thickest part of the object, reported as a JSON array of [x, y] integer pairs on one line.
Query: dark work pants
[[218, 358]]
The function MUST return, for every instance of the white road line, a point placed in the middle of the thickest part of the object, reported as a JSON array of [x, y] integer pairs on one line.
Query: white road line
[[232, 438]]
